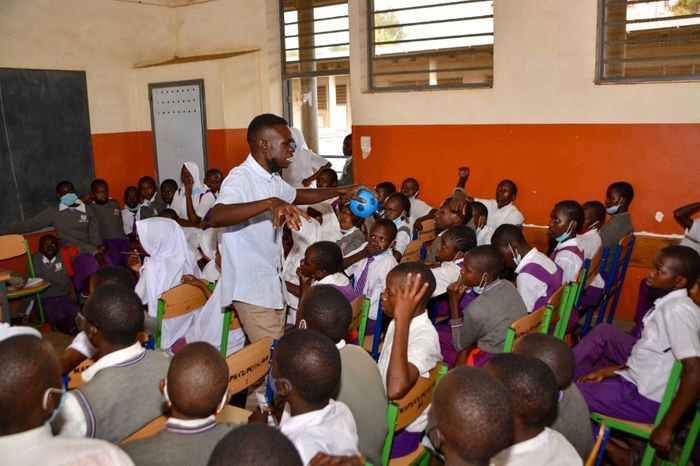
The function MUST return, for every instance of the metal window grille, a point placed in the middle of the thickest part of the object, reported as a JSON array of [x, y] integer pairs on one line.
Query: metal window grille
[[428, 44], [648, 40]]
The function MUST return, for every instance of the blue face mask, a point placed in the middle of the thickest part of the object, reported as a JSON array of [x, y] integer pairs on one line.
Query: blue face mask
[[69, 199], [517, 258], [397, 221], [273, 382], [480, 227], [564, 236], [45, 404], [133, 209], [613, 210], [482, 285], [196, 191]]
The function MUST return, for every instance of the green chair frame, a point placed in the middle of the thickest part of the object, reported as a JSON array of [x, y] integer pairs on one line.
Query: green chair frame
[[644, 430], [362, 328], [535, 322], [11, 243]]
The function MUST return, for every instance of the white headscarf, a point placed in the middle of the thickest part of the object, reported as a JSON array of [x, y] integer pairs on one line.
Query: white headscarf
[[179, 204]]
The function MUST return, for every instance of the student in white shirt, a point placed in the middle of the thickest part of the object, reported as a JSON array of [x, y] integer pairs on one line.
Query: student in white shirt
[[305, 373], [371, 265], [396, 207], [253, 202], [31, 396], [306, 165], [131, 213], [533, 389], [471, 418], [501, 209], [480, 218], [420, 210], [683, 215], [564, 221], [456, 241], [411, 346]]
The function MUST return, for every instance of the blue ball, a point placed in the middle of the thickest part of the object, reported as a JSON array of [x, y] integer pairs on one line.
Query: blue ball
[[368, 208]]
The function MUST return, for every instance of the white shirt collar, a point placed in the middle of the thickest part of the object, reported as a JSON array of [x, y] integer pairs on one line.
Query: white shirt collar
[[526, 259], [337, 279], [80, 204], [536, 442], [48, 262], [347, 232], [682, 293], [190, 423], [113, 359], [258, 169]]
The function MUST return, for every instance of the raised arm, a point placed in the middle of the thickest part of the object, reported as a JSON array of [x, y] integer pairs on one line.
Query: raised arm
[[313, 196], [683, 214], [314, 176]]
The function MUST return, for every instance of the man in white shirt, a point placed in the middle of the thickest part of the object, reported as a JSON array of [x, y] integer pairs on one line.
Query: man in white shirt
[[253, 204], [31, 394], [501, 209], [533, 389], [305, 373]]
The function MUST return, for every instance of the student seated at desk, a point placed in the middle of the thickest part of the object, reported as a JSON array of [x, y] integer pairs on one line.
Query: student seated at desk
[[195, 392], [168, 188], [501, 209], [564, 221], [456, 242], [323, 265], [480, 218], [445, 218]]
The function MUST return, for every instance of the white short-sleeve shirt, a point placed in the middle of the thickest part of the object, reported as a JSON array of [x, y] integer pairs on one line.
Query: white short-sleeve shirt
[[376, 278], [445, 275], [403, 237], [530, 288], [251, 251], [423, 352], [569, 261], [419, 208], [508, 214], [548, 447], [671, 331]]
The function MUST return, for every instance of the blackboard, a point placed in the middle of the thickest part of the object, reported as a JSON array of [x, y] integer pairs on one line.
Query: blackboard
[[44, 138]]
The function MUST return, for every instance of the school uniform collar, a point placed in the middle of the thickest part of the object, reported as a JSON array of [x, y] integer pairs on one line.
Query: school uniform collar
[[567, 243], [307, 420], [537, 442], [259, 170], [505, 206], [337, 279], [122, 357], [682, 293], [347, 232], [340, 345], [527, 258], [48, 262], [80, 206], [190, 426]]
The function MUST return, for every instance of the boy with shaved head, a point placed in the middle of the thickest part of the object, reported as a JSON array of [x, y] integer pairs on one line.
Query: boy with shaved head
[[249, 445], [195, 391], [31, 395], [469, 399]]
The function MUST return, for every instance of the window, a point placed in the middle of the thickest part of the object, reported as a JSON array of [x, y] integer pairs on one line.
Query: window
[[648, 40], [427, 44], [315, 62]]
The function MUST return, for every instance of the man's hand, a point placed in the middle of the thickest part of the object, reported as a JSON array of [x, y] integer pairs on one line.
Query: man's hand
[[352, 190], [409, 297], [463, 173], [600, 374], [459, 203], [134, 262], [285, 212]]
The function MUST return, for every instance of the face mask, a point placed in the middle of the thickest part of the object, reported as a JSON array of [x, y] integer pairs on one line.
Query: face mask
[[481, 226], [133, 209], [57, 410], [302, 324], [196, 191], [482, 285], [273, 382], [398, 220], [594, 225], [69, 199], [613, 210], [564, 236], [517, 258]]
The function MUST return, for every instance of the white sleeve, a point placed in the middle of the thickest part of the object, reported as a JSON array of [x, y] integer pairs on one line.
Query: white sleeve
[[73, 423], [445, 275], [402, 240], [206, 202], [683, 327], [570, 264], [530, 289], [82, 345], [424, 351]]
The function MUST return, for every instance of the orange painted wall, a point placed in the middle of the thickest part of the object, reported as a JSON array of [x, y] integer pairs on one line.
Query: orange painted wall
[[549, 162]]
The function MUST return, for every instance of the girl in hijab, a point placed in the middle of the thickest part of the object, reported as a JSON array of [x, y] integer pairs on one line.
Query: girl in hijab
[[193, 199]]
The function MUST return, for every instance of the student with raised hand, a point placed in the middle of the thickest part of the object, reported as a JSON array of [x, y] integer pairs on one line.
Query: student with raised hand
[[304, 375], [411, 346], [482, 326], [618, 198], [31, 396], [633, 385], [120, 394], [533, 389], [192, 201], [470, 400], [501, 209], [152, 203], [325, 310], [250, 445], [195, 392], [78, 233], [683, 216], [253, 203], [573, 419], [420, 210], [109, 219], [538, 276]]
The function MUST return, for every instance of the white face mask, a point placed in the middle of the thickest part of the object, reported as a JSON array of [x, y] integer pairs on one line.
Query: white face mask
[[517, 258], [482, 284], [57, 410]]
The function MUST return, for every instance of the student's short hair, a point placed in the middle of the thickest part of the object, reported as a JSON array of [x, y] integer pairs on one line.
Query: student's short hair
[[328, 256], [113, 275], [48, 237], [311, 363], [330, 172], [387, 186], [466, 216], [403, 269], [411, 180], [487, 258], [197, 379], [597, 207], [513, 186], [326, 310], [260, 123], [470, 399], [572, 210], [532, 387], [553, 352], [130, 188], [29, 366], [507, 234], [147, 179], [255, 445], [214, 171], [388, 224], [98, 182], [64, 183], [117, 312], [403, 201], [169, 213], [461, 236], [481, 208], [687, 262], [624, 189], [349, 136], [169, 182]]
